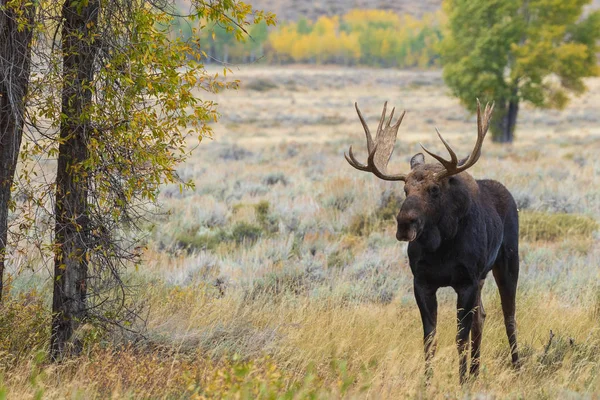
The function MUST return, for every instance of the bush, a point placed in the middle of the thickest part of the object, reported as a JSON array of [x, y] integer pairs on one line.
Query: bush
[[24, 328], [339, 259], [274, 284], [267, 222], [553, 227], [241, 232], [245, 232], [209, 241], [274, 178], [387, 209], [362, 224], [262, 211], [235, 153], [389, 206], [261, 85], [340, 201], [339, 194]]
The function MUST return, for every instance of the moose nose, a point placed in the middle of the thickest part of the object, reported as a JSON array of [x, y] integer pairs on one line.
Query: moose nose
[[409, 223], [408, 227]]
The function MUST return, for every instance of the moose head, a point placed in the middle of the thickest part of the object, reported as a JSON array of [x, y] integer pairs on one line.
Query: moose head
[[437, 195]]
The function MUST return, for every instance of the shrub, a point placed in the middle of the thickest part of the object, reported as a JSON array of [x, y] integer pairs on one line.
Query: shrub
[[389, 205], [265, 220], [261, 85], [340, 201], [339, 194], [331, 120], [211, 213], [555, 351], [524, 199], [387, 209], [339, 259], [235, 153], [274, 284], [362, 224], [552, 227], [274, 178], [262, 211], [241, 232], [190, 241], [24, 328], [245, 232], [243, 187]]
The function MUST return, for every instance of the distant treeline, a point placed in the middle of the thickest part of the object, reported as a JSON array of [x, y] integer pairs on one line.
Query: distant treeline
[[360, 37]]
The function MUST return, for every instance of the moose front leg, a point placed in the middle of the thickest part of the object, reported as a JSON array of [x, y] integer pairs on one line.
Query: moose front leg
[[467, 299], [427, 302], [477, 332]]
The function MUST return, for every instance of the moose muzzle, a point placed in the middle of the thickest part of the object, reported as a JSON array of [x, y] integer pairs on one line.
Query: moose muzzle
[[409, 220]]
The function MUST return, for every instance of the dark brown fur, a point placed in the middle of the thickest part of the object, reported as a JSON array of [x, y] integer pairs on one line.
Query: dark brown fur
[[460, 229]]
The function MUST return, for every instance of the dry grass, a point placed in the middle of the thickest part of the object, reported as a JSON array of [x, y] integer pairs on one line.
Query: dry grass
[[551, 227], [280, 275]]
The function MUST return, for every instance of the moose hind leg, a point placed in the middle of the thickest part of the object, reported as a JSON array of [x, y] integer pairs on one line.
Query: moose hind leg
[[506, 274], [477, 332], [467, 300]]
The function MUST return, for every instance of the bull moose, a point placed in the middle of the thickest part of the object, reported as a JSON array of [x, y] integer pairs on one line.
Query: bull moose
[[458, 230]]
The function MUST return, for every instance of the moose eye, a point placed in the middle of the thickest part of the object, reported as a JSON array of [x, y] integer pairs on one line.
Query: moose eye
[[434, 190]]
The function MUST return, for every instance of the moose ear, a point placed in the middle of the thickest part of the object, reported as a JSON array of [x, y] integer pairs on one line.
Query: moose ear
[[417, 159]]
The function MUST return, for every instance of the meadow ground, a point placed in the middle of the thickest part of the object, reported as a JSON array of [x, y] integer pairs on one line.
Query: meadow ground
[[279, 274]]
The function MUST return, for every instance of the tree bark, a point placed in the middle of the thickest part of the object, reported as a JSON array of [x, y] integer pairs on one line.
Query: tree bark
[[15, 65], [69, 303], [504, 121]]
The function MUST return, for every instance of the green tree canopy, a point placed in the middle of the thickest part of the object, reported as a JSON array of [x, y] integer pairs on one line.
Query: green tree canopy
[[509, 51]]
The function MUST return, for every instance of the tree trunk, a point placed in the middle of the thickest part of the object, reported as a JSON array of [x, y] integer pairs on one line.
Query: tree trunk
[[15, 63], [69, 304], [504, 121]]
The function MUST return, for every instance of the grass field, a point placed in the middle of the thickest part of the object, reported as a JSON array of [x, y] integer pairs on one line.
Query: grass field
[[279, 274]]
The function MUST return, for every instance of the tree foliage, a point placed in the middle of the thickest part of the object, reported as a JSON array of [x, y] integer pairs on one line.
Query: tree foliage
[[115, 95], [360, 37], [509, 51], [366, 37]]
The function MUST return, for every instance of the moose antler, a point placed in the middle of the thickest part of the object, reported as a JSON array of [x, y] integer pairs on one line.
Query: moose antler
[[454, 166], [381, 150]]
